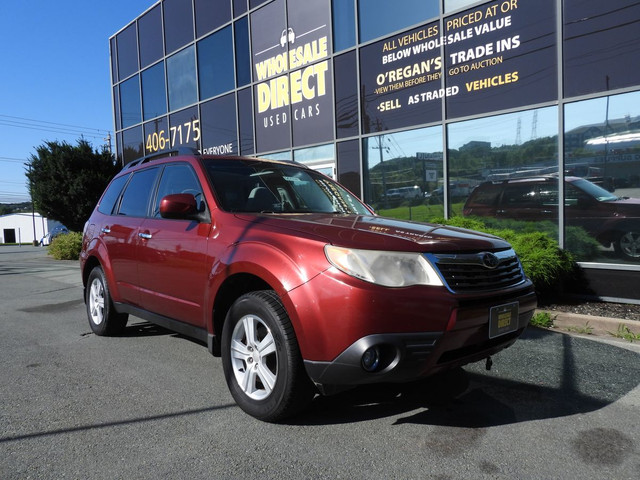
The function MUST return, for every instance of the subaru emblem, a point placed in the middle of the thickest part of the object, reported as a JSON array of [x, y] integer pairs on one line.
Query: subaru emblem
[[489, 260]]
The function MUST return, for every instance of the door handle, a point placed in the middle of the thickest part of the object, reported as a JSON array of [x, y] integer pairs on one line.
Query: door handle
[[146, 236], [105, 230]]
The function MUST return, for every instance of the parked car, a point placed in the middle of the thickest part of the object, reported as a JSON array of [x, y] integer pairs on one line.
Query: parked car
[[53, 233], [405, 193], [610, 219], [296, 283]]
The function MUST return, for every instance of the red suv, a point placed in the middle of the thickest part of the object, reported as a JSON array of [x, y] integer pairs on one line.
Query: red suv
[[297, 284]]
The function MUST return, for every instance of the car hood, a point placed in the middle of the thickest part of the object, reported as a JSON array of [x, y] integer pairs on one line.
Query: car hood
[[382, 233]]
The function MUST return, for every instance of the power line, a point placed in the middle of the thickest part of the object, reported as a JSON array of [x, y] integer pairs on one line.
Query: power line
[[98, 130]]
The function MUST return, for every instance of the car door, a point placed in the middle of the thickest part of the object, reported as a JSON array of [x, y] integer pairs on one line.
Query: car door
[[172, 253], [119, 233]]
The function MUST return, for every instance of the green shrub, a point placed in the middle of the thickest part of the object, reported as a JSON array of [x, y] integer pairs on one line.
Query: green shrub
[[542, 319], [66, 246]]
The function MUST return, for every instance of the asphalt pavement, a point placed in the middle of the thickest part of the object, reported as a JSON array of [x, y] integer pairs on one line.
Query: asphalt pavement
[[153, 404]]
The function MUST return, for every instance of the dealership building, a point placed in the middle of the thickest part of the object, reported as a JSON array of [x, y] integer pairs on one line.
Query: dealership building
[[420, 107]]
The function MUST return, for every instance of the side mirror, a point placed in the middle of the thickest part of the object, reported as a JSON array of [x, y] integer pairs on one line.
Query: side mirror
[[179, 206]]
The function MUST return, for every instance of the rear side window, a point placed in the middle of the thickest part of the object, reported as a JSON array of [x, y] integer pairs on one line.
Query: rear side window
[[520, 194], [485, 195], [110, 197], [135, 200]]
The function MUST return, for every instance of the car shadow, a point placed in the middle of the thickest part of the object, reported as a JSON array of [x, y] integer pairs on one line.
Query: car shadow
[[544, 375]]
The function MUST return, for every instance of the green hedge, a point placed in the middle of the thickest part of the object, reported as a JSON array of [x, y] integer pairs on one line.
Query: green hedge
[[66, 246]]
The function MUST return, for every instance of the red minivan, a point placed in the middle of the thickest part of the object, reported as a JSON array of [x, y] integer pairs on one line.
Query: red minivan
[[295, 282]]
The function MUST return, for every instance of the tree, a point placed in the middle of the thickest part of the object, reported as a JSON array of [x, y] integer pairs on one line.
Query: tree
[[66, 181]]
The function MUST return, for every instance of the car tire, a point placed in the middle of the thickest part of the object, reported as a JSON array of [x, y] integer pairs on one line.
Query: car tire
[[102, 315], [261, 358], [628, 245]]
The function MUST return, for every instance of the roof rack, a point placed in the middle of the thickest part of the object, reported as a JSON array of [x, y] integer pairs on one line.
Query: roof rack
[[164, 153]]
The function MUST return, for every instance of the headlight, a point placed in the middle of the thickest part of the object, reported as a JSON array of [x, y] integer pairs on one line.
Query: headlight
[[390, 269]]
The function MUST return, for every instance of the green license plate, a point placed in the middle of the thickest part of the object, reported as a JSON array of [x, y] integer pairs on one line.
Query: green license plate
[[503, 319]]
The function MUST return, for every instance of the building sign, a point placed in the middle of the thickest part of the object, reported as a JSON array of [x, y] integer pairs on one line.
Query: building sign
[[291, 64], [395, 71], [499, 55], [504, 56]]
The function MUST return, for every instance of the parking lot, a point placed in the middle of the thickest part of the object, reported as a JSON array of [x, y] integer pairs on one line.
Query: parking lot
[[153, 404]]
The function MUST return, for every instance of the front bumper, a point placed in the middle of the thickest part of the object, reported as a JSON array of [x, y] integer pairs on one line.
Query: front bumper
[[413, 355]]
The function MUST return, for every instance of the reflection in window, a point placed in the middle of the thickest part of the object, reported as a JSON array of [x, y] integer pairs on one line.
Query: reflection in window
[[349, 170], [346, 85], [132, 146], [283, 156], [600, 45], [219, 134], [379, 17], [178, 24], [321, 158], [602, 161], [401, 170], [135, 199], [127, 51], [344, 24], [495, 167], [154, 96], [150, 33], [130, 102], [450, 5], [181, 74], [239, 7], [215, 63]]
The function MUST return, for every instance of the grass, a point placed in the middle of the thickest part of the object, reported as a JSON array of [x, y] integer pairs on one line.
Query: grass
[[625, 333], [543, 319], [586, 330]]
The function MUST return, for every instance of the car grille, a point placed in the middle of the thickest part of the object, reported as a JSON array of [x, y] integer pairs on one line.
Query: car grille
[[481, 271]]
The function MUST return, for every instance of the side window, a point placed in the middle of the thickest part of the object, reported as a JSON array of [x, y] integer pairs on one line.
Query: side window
[[178, 178], [519, 195], [135, 200], [110, 197], [549, 194]]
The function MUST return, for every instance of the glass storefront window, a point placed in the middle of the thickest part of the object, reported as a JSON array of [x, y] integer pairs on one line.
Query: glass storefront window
[[346, 86], [154, 96], [243, 56], [157, 136], [219, 133], [500, 55], [178, 24], [502, 170], [602, 167], [379, 17], [130, 102], [211, 14], [284, 156], [349, 170], [450, 5], [600, 45], [181, 75], [127, 46], [344, 24], [185, 129], [150, 36], [133, 147], [245, 122], [239, 7], [321, 158], [215, 63], [400, 171]]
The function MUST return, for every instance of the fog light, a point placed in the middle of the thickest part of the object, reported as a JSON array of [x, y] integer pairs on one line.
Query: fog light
[[371, 359]]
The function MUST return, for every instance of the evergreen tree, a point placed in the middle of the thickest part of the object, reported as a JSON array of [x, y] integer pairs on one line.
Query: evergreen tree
[[66, 181]]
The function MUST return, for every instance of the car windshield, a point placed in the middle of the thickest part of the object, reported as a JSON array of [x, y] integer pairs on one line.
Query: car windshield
[[594, 190], [269, 187]]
